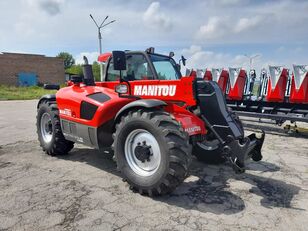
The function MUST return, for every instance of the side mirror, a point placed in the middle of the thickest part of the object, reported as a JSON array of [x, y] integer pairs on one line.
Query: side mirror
[[183, 60], [51, 86], [119, 60]]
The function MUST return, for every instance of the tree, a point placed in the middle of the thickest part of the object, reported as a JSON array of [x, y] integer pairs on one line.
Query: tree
[[96, 71], [69, 61], [75, 69]]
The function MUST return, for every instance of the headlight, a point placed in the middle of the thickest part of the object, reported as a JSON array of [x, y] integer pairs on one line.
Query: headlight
[[121, 89]]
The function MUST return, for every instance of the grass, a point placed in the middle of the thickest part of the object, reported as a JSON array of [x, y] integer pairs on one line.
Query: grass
[[22, 93]]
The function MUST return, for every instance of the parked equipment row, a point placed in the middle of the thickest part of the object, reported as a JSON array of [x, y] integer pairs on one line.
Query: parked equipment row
[[277, 94]]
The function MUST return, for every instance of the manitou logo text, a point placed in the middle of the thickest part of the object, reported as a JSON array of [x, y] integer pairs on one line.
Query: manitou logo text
[[193, 129], [66, 112], [155, 90]]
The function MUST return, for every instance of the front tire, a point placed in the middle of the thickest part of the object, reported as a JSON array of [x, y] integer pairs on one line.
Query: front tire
[[49, 130], [152, 151]]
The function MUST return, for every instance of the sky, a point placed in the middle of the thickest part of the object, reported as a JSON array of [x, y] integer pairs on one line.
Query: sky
[[209, 33]]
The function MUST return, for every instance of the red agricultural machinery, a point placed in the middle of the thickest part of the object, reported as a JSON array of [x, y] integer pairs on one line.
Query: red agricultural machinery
[[153, 117], [280, 96]]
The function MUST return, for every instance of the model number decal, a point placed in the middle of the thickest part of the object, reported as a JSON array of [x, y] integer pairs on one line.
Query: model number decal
[[155, 90], [193, 129], [66, 112]]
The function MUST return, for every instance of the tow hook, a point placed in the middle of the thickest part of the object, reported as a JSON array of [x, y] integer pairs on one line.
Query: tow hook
[[235, 165]]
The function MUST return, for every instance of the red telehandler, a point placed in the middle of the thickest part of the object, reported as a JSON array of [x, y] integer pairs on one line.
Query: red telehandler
[[153, 118]]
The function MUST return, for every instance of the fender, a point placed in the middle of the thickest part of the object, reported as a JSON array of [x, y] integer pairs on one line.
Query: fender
[[145, 103], [46, 97]]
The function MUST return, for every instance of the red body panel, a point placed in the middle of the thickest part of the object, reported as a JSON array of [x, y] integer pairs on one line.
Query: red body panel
[[277, 92], [172, 92], [299, 95], [222, 79], [208, 75], [104, 57], [69, 99], [237, 86]]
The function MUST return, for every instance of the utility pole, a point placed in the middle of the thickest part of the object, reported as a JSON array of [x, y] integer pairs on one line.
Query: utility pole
[[251, 58], [252, 75], [99, 27]]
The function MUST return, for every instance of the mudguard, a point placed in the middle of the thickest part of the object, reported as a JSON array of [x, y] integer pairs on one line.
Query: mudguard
[[46, 97], [145, 103]]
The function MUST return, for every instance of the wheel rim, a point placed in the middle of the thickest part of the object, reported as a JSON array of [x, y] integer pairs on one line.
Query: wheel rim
[[46, 127], [142, 152]]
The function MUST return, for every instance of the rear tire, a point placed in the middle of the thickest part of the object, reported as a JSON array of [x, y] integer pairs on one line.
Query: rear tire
[[49, 130], [165, 147]]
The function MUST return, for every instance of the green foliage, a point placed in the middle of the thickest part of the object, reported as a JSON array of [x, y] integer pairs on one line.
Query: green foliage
[[69, 61], [75, 69], [22, 93], [96, 71]]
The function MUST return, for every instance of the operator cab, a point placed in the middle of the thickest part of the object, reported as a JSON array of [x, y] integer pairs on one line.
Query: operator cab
[[144, 66]]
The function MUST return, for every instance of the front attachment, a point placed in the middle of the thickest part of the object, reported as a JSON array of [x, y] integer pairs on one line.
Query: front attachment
[[237, 151], [226, 127]]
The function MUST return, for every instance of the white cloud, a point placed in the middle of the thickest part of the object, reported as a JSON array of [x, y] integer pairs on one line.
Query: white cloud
[[220, 27], [216, 27], [154, 18], [231, 2], [248, 23], [197, 58], [92, 56], [191, 50]]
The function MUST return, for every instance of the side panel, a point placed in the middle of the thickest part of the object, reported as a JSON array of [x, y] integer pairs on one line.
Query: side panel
[[276, 89], [299, 94], [208, 75], [166, 90], [79, 133], [191, 123], [223, 81], [83, 105], [237, 86]]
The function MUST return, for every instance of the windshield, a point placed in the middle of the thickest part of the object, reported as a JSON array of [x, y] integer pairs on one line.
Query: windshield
[[165, 67]]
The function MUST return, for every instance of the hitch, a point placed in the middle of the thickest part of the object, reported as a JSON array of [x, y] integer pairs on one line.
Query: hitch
[[226, 127], [238, 151]]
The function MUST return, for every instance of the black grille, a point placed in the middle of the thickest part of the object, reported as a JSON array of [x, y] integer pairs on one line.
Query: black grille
[[87, 110], [99, 97]]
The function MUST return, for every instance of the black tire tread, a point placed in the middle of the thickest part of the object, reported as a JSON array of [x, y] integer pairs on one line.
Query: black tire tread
[[60, 146]]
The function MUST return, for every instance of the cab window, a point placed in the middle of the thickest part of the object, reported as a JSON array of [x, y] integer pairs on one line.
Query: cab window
[[137, 68], [165, 67]]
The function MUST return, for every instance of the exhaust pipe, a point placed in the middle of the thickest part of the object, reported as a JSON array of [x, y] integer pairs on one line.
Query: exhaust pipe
[[88, 76]]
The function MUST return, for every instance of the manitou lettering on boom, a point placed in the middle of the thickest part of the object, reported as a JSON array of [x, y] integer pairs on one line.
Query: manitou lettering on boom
[[155, 90]]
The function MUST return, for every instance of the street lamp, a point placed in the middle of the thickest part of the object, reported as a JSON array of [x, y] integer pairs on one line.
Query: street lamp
[[252, 75], [251, 58], [99, 27]]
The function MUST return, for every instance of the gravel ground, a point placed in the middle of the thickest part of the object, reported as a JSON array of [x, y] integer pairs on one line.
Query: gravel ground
[[83, 190]]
